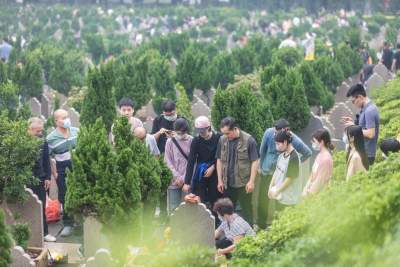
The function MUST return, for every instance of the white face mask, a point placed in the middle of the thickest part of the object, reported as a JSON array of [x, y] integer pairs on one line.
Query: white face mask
[[316, 146], [67, 123], [181, 136], [345, 139]]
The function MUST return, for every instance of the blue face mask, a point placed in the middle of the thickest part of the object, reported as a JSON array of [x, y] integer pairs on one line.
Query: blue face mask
[[171, 117], [67, 123]]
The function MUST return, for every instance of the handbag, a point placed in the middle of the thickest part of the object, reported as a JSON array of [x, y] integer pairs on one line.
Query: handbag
[[53, 209]]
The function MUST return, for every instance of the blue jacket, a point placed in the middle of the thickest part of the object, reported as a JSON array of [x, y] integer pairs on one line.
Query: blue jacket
[[269, 154]]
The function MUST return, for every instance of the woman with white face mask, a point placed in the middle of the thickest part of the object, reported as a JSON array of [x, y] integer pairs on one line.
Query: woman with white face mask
[[323, 165], [176, 156]]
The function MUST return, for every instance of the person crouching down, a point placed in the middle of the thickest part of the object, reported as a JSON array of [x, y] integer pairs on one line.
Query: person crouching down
[[232, 227]]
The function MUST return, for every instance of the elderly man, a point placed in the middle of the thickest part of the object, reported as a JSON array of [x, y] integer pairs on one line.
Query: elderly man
[[61, 141], [151, 143], [42, 171]]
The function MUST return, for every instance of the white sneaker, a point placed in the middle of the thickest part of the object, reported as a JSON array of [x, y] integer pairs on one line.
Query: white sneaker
[[50, 238], [66, 231]]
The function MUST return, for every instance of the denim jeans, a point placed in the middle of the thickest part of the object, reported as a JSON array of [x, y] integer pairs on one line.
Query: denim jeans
[[174, 198]]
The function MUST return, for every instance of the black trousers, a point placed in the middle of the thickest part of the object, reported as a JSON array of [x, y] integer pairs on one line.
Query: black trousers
[[263, 200], [371, 161], [40, 191], [207, 190], [224, 243], [62, 167], [245, 200]]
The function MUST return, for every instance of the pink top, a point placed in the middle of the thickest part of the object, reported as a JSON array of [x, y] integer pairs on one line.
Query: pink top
[[321, 173]]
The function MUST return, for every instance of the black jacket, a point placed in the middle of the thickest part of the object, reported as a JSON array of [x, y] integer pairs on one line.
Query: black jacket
[[42, 169]]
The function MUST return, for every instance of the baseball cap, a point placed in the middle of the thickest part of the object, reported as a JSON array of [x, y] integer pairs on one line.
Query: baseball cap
[[281, 124], [201, 124]]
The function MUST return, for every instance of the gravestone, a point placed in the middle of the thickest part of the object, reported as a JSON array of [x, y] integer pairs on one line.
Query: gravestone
[[314, 124], [339, 144], [340, 110], [93, 238], [102, 258], [327, 124], [35, 107], [341, 92], [20, 258], [374, 82], [200, 109], [148, 125], [74, 116], [30, 212], [46, 106], [382, 71], [193, 224]]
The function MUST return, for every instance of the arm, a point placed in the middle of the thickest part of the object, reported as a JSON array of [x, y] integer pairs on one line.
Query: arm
[[219, 173], [156, 131], [264, 147], [370, 124], [169, 160], [302, 148], [369, 133], [218, 233]]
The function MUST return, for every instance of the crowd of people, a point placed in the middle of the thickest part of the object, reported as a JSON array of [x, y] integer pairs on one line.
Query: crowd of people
[[221, 166]]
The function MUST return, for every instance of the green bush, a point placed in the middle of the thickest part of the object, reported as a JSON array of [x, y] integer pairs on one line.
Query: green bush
[[223, 70], [250, 109], [352, 223], [286, 93], [5, 243], [288, 55], [21, 234], [19, 152], [329, 71]]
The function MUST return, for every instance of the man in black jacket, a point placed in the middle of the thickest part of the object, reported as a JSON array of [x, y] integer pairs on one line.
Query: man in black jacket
[[42, 171]]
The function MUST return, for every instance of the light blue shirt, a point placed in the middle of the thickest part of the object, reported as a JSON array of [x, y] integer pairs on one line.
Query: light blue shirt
[[269, 154]]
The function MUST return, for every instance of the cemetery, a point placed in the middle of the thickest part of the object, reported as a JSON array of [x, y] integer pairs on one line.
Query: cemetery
[[249, 60]]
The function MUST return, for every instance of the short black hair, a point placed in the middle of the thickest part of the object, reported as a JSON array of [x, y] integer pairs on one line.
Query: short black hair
[[356, 90], [390, 145], [283, 136], [223, 206], [168, 105], [182, 125], [228, 122], [126, 102]]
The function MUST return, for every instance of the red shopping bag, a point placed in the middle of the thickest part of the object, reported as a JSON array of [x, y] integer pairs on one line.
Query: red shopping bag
[[53, 210]]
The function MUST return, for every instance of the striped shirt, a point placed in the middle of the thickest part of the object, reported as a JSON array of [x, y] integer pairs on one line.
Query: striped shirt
[[59, 146], [237, 227]]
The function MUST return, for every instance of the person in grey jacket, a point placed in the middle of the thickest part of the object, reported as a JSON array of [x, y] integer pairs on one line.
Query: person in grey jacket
[[268, 158]]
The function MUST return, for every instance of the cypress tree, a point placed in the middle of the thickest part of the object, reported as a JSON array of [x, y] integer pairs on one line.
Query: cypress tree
[[99, 100], [192, 71], [3, 72], [223, 69], [246, 58], [31, 80], [133, 81], [5, 243], [183, 105], [9, 99]]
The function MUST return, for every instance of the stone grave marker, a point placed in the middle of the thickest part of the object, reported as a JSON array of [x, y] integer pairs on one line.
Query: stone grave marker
[[93, 238], [354, 110], [339, 144], [327, 124], [373, 83], [30, 212], [200, 109], [35, 107], [74, 116], [20, 258], [314, 124], [193, 224], [382, 71], [46, 106], [102, 258], [341, 92], [148, 125], [340, 110]]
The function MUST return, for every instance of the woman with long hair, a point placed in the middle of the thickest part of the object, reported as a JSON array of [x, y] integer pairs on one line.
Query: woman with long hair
[[323, 165], [357, 159]]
